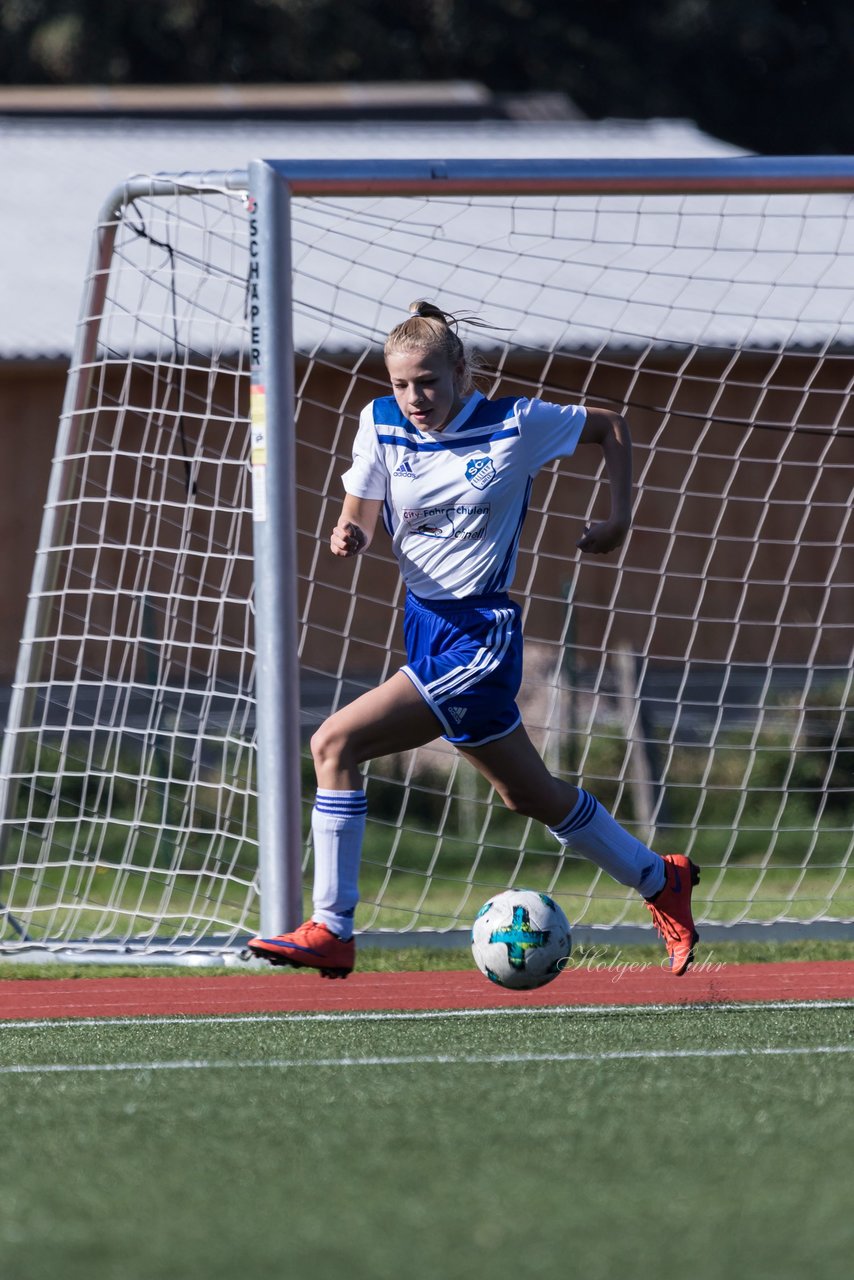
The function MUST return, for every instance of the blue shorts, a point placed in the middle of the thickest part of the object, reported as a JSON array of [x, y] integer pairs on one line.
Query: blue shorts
[[465, 659]]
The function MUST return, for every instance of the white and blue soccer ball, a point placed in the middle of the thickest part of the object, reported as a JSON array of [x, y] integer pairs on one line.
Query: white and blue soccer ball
[[521, 939]]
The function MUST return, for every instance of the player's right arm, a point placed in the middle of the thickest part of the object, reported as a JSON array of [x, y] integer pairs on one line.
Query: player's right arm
[[356, 524]]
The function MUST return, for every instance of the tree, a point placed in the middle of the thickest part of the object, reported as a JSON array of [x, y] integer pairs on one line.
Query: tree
[[772, 75]]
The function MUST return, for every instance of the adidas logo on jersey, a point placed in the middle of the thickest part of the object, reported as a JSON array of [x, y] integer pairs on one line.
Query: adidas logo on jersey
[[458, 712], [405, 470]]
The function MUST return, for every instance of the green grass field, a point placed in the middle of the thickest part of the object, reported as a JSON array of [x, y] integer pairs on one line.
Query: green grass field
[[696, 1142]]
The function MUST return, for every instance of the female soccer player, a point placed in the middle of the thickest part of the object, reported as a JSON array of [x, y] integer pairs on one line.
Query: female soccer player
[[452, 472]]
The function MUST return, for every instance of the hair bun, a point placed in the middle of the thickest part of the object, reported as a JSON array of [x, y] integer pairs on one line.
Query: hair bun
[[438, 332], [428, 310]]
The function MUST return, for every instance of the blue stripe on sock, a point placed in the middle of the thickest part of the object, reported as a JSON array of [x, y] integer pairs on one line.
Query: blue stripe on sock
[[323, 806], [581, 815], [342, 804]]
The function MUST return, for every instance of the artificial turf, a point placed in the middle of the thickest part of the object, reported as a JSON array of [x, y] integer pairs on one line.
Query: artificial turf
[[648, 1143]]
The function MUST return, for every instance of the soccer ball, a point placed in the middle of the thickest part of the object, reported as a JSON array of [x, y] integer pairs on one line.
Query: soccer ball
[[520, 939]]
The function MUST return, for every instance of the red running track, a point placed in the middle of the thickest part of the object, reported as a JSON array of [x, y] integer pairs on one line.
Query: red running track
[[630, 984]]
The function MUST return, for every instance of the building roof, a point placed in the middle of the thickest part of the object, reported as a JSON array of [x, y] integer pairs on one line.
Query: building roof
[[433, 98], [59, 172]]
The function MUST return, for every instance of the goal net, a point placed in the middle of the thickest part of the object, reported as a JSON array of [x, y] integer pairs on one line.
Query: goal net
[[698, 682]]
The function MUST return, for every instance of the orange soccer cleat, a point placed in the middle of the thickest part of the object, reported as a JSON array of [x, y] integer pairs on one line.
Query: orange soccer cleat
[[311, 946], [671, 911]]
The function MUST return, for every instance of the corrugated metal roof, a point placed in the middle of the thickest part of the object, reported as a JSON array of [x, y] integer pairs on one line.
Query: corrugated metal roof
[[57, 174]]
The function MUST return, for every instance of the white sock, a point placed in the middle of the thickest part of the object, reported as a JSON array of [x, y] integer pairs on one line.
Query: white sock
[[589, 830], [338, 828]]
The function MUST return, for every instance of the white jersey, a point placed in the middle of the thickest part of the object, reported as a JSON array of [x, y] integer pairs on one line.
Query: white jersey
[[454, 501]]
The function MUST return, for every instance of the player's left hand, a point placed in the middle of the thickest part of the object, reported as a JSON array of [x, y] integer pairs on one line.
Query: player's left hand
[[607, 535]]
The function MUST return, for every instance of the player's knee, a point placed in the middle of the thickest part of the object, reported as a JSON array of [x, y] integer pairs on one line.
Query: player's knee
[[527, 799], [518, 799], [328, 746]]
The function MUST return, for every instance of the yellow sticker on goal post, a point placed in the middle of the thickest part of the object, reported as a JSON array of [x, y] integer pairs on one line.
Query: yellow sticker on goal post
[[258, 418]]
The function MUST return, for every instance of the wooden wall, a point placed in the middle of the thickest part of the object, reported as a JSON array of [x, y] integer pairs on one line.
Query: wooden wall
[[30, 402], [740, 520]]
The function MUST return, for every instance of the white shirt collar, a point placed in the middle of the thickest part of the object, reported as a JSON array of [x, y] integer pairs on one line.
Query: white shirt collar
[[459, 420]]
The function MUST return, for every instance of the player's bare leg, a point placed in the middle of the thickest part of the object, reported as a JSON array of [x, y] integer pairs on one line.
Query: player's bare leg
[[385, 721], [514, 767]]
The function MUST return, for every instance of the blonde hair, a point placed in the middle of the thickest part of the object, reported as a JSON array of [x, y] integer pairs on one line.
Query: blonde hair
[[429, 328]]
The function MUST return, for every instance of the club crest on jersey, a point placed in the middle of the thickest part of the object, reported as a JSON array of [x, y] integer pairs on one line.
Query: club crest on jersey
[[480, 472]]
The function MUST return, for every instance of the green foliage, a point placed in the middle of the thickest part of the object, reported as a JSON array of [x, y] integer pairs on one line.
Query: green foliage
[[772, 76], [120, 825], [116, 800], [825, 763], [753, 781]]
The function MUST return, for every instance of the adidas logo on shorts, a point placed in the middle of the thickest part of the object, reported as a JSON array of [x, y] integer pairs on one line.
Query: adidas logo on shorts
[[405, 470], [458, 712]]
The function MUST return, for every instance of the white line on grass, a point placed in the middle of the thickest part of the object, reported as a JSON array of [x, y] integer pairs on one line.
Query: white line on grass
[[395, 1015], [416, 1015], [426, 1059]]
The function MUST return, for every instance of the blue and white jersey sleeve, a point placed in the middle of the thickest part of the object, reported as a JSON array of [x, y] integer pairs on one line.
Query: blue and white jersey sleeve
[[368, 476], [549, 430]]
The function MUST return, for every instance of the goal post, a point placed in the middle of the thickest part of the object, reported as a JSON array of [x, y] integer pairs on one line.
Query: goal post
[[185, 630], [93, 780], [274, 516]]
